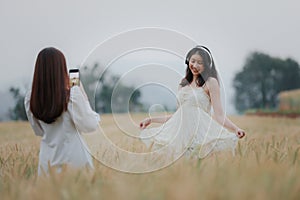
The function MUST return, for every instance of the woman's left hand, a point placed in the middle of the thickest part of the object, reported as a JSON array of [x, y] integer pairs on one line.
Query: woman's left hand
[[240, 133]]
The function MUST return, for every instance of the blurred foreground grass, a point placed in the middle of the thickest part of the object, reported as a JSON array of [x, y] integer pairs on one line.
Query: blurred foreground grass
[[266, 166]]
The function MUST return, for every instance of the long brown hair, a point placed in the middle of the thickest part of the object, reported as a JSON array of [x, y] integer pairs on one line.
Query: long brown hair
[[50, 87], [209, 66]]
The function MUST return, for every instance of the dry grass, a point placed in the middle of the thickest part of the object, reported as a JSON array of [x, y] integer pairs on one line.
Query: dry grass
[[266, 166]]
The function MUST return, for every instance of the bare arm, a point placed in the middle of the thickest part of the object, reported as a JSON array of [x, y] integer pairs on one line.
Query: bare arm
[[146, 122], [219, 115], [162, 119]]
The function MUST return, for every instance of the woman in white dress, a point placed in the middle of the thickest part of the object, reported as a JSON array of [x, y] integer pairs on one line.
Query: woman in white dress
[[58, 113], [192, 129]]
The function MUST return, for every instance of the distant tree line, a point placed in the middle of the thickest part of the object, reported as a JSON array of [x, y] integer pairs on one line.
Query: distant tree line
[[18, 111], [100, 87], [261, 79]]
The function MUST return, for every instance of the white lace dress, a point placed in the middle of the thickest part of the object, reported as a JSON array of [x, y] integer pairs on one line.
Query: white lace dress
[[191, 129]]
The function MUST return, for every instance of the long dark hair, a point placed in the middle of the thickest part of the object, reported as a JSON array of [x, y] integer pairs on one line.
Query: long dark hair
[[50, 87], [209, 67]]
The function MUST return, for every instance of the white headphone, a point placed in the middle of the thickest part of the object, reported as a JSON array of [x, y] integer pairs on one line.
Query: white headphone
[[203, 48]]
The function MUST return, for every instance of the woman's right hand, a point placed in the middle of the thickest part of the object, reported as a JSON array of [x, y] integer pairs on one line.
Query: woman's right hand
[[146, 122]]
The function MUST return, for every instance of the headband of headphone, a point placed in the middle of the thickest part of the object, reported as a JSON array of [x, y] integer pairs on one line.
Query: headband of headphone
[[203, 48]]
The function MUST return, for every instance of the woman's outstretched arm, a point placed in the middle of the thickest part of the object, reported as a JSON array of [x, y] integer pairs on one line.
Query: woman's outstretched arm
[[162, 119], [219, 115], [146, 122]]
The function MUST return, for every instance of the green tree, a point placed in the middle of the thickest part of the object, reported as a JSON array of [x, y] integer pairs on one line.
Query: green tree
[[100, 91], [262, 78], [18, 111]]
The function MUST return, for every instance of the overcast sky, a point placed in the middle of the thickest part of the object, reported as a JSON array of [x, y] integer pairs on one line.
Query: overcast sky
[[231, 29]]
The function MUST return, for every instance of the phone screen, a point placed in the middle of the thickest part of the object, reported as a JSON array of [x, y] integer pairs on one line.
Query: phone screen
[[74, 77]]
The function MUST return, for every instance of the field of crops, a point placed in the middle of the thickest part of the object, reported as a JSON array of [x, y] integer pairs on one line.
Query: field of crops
[[266, 166]]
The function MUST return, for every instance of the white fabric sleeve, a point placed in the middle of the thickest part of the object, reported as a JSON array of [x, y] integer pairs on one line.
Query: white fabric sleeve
[[85, 119], [35, 124]]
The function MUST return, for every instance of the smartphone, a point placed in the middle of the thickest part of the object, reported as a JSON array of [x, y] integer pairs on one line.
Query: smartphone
[[74, 77]]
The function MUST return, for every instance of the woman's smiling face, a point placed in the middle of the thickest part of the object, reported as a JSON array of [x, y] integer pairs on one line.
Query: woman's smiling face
[[196, 64]]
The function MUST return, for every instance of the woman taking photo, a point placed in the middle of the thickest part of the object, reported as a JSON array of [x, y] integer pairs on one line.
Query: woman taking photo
[[58, 113]]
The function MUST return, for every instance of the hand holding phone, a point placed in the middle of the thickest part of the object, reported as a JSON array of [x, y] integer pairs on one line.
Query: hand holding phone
[[74, 77]]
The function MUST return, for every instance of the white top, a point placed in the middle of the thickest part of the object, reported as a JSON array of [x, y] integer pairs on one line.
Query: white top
[[61, 142]]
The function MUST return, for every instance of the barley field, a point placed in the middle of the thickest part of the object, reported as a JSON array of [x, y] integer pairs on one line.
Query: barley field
[[266, 166]]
